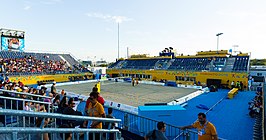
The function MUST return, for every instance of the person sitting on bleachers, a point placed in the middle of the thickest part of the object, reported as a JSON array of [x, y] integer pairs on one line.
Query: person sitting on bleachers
[[26, 106], [32, 65], [35, 92], [56, 100], [2, 78], [62, 105], [255, 106], [70, 111], [63, 93], [157, 134]]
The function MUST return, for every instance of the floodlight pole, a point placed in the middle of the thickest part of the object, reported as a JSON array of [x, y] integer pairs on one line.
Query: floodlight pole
[[127, 53], [218, 40], [117, 41]]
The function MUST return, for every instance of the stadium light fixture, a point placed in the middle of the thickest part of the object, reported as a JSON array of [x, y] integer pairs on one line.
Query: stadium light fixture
[[118, 21], [218, 40], [118, 40]]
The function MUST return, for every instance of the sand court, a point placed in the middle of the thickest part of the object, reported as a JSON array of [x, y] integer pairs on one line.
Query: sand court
[[125, 93]]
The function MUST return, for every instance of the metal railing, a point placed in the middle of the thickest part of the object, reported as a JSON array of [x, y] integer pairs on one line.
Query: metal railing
[[15, 100], [141, 126], [24, 93], [16, 104], [16, 133], [54, 132]]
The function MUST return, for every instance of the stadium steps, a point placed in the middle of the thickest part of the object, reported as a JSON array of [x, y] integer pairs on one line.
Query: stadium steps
[[229, 64], [68, 64], [120, 64], [72, 61], [161, 64], [169, 63], [115, 64]]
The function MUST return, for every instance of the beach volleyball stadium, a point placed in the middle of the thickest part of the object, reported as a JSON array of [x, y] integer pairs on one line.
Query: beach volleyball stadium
[[141, 90]]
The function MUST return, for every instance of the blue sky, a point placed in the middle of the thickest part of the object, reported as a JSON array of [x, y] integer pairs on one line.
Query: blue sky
[[88, 29]]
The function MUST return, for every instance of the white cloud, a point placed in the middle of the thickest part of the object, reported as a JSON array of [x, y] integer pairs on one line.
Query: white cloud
[[107, 17]]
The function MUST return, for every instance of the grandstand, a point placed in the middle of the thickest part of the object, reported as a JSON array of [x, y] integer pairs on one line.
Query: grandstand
[[221, 66]]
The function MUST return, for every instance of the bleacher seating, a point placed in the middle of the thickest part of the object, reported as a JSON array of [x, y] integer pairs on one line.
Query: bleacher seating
[[241, 63], [162, 64], [219, 63], [193, 64], [139, 64], [28, 63], [114, 64], [185, 64]]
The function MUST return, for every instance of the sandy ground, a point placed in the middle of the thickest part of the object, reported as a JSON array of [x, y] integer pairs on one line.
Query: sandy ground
[[125, 93]]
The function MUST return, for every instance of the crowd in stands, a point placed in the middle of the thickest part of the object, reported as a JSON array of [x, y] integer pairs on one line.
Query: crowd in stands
[[60, 103], [81, 68], [32, 65], [256, 105], [20, 87]]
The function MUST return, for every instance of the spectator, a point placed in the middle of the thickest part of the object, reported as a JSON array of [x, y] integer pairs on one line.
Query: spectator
[[100, 99], [26, 106], [53, 89], [95, 89], [206, 130], [108, 125], [157, 134], [63, 93], [70, 111], [2, 78], [56, 100], [62, 105], [109, 115], [95, 109]]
